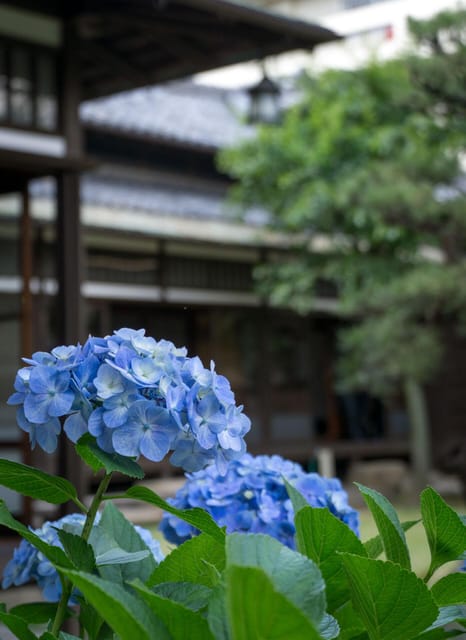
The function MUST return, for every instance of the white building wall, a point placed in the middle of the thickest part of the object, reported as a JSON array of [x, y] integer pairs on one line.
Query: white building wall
[[374, 31]]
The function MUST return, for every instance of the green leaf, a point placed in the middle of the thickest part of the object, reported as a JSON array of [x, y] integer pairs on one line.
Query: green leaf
[[446, 533], [190, 595], [217, 613], [196, 517], [61, 636], [192, 562], [393, 602], [124, 613], [438, 634], [450, 590], [180, 621], [329, 627], [297, 499], [256, 610], [35, 483], [120, 556], [97, 459], [448, 615], [78, 550], [390, 529], [116, 534], [37, 612], [17, 625], [350, 622], [374, 546], [319, 536], [292, 574], [90, 620], [56, 555]]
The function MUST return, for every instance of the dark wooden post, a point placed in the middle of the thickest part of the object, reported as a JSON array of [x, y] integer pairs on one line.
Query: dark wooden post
[[26, 345], [69, 236]]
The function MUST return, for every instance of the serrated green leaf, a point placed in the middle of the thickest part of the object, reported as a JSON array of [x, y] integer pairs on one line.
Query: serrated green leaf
[[374, 546], [190, 595], [124, 613], [292, 574], [17, 625], [37, 612], [92, 454], [389, 526], [120, 556], [450, 589], [90, 620], [180, 621], [256, 610], [106, 633], [192, 562], [35, 483], [350, 622], [446, 532], [217, 613], [297, 499], [392, 602], [328, 627], [196, 517], [78, 550], [438, 634], [319, 536], [56, 555], [448, 615], [114, 531]]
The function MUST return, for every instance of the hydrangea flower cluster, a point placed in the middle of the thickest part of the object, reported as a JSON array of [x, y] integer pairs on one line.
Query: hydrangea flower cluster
[[29, 564], [137, 396], [252, 498]]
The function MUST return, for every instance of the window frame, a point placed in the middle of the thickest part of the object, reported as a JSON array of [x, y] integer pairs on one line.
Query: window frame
[[33, 51]]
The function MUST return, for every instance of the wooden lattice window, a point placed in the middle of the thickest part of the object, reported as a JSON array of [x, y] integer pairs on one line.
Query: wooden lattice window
[[28, 86]]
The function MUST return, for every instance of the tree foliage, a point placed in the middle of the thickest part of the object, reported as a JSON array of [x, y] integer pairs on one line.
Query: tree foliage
[[365, 173]]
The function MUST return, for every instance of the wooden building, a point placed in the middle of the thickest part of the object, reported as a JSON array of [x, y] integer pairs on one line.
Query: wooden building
[[164, 250], [113, 214], [53, 56]]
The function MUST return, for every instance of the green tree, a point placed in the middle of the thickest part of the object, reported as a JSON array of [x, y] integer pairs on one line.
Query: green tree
[[365, 173]]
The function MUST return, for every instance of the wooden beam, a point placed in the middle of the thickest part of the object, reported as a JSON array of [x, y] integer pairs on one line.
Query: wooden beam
[[115, 62]]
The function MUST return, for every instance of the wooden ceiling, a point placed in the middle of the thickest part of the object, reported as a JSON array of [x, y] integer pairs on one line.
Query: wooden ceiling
[[125, 44]]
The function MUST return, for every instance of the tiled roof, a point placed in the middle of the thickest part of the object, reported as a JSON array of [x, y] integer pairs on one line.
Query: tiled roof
[[180, 111], [118, 188]]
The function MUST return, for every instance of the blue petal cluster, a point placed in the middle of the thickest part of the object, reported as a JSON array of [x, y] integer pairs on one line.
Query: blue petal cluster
[[28, 564], [252, 498], [137, 396]]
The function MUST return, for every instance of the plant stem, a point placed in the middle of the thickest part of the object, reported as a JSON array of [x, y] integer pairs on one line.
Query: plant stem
[[67, 586], [95, 504], [429, 574]]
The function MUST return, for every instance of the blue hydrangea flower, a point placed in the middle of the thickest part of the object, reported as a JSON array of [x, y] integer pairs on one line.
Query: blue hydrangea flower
[[28, 564], [252, 497], [136, 396]]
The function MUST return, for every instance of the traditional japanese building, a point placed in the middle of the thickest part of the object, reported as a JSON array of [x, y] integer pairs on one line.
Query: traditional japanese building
[[53, 56]]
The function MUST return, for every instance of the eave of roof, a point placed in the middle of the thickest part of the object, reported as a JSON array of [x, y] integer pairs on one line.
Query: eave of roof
[[125, 44]]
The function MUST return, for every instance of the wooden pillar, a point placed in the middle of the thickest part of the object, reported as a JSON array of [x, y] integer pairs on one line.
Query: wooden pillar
[[69, 249], [26, 320], [69, 252], [69, 237], [264, 380], [26, 257]]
